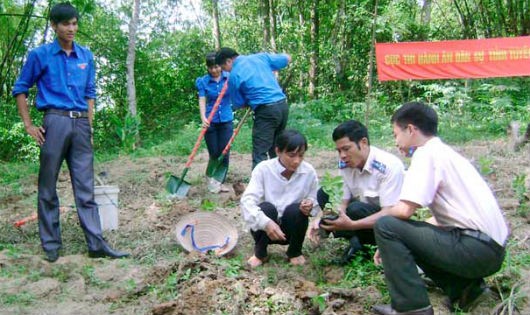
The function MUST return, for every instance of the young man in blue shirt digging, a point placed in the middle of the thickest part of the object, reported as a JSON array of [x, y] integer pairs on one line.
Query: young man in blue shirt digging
[[253, 83]]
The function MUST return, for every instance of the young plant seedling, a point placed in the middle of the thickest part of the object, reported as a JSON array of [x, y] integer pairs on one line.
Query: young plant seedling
[[332, 186]]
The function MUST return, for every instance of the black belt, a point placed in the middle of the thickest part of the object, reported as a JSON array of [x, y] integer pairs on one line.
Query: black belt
[[274, 103], [68, 113], [483, 237]]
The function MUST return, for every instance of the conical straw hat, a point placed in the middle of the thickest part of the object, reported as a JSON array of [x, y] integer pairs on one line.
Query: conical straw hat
[[206, 231]]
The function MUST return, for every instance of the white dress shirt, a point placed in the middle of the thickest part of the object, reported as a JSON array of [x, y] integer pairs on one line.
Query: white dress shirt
[[447, 183], [378, 183], [267, 184]]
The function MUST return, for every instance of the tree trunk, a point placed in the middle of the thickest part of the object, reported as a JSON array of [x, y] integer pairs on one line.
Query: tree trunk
[[313, 60], [13, 50], [265, 11], [426, 10], [131, 56], [337, 56], [525, 19], [47, 27], [370, 69], [216, 31], [272, 25], [466, 19], [301, 22]]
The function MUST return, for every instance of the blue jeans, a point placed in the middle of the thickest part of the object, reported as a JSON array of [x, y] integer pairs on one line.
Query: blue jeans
[[451, 259]]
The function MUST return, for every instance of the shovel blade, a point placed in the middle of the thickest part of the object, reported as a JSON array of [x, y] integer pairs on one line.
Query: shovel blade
[[217, 170], [177, 187]]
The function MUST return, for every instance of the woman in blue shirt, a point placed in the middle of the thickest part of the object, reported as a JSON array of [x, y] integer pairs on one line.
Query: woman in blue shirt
[[221, 127]]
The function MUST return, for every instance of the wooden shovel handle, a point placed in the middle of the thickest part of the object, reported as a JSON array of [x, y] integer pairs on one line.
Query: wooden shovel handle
[[236, 131], [34, 217], [204, 128]]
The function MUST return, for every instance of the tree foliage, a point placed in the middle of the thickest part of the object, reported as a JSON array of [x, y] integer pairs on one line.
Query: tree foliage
[[330, 42]]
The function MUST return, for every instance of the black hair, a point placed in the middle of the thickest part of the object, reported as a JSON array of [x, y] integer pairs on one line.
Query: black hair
[[63, 12], [352, 129], [291, 140], [224, 54], [419, 115], [210, 59]]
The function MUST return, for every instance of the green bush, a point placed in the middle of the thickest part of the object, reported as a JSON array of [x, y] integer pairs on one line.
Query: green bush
[[335, 108], [16, 143]]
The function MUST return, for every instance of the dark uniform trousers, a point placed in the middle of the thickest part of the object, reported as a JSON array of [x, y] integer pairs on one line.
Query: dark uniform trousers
[[356, 210], [293, 224], [67, 139], [269, 121], [452, 259], [217, 137]]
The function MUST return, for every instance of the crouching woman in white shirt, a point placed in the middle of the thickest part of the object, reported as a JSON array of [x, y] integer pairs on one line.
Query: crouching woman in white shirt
[[279, 199]]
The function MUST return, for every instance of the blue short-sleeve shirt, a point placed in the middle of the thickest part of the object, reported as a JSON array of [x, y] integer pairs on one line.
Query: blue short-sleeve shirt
[[63, 82], [252, 81], [209, 88]]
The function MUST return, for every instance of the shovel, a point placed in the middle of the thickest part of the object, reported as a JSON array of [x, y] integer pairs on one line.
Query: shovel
[[176, 186], [216, 169], [34, 217]]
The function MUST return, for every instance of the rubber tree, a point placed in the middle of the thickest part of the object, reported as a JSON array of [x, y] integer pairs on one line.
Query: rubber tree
[[313, 60], [130, 126], [215, 21]]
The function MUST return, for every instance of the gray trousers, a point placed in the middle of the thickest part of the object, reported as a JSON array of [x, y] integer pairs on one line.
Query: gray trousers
[[269, 121], [67, 139], [451, 259]]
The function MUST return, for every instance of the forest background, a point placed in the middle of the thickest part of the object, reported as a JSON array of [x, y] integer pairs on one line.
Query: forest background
[[148, 55], [149, 52]]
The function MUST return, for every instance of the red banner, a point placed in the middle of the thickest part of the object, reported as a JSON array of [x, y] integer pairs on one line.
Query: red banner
[[481, 58]]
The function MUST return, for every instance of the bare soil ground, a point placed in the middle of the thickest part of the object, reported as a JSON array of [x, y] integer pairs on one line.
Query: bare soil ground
[[161, 278]]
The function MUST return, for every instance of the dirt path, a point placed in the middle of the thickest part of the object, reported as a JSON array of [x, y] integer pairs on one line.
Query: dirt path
[[161, 278]]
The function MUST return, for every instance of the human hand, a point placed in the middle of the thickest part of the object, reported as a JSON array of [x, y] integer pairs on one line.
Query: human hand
[[341, 223], [306, 205], [377, 258], [36, 133], [205, 123], [274, 232], [313, 232]]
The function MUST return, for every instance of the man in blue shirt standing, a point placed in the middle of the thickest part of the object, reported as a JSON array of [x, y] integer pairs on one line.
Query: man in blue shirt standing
[[253, 83], [65, 77]]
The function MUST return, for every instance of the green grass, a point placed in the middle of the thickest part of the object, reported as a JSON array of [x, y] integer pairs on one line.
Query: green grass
[[509, 279], [20, 298], [519, 187]]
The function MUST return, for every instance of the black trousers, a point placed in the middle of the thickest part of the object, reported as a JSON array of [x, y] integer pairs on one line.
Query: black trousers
[[356, 210], [451, 259], [67, 139], [217, 137], [269, 121], [293, 224]]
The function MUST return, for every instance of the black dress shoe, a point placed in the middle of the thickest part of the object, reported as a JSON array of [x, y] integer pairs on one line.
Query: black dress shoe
[[52, 255], [349, 253], [106, 251], [388, 310]]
